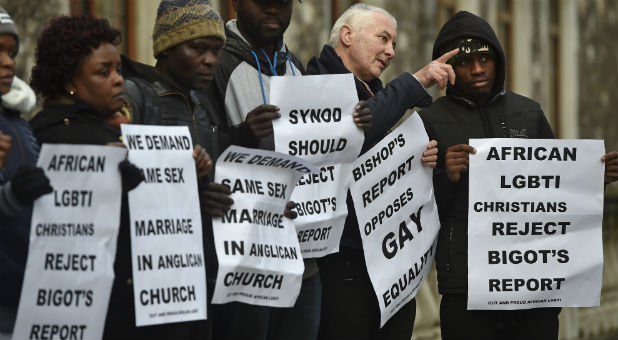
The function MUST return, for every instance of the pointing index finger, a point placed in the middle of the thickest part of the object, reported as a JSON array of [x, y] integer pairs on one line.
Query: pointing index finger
[[446, 56]]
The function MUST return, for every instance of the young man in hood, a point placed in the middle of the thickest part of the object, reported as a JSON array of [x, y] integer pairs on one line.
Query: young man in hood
[[21, 182], [478, 106], [362, 42]]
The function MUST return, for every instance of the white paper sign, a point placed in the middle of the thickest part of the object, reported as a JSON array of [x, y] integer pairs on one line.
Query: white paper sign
[[260, 261], [70, 267], [397, 215], [534, 223], [169, 274], [317, 124], [321, 205]]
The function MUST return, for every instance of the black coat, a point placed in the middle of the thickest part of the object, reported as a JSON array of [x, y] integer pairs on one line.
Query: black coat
[[387, 105], [453, 120]]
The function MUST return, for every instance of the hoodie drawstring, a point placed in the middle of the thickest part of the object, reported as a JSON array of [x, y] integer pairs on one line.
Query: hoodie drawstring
[[272, 68], [259, 75]]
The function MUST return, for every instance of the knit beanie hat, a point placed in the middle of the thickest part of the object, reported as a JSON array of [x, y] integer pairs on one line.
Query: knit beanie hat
[[183, 20], [7, 26]]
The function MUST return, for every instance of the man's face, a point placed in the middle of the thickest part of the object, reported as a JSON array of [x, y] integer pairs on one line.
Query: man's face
[[192, 64], [475, 75], [8, 52], [373, 48], [264, 21]]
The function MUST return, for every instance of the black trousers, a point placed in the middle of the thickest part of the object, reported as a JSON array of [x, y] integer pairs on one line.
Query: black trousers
[[350, 307], [456, 322]]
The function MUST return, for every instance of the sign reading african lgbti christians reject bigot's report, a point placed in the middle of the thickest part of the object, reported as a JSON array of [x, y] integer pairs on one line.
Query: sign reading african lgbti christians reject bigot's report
[[397, 215], [317, 125], [169, 276], [73, 234], [260, 261], [534, 224]]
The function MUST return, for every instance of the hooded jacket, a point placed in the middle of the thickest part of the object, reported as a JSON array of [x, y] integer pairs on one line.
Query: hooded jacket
[[454, 119], [14, 215], [242, 82], [242, 79]]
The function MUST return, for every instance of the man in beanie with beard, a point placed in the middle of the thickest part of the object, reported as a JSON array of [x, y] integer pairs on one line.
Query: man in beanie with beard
[[187, 38], [478, 106]]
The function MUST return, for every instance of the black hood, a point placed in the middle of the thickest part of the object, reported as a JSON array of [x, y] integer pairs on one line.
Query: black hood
[[467, 25]]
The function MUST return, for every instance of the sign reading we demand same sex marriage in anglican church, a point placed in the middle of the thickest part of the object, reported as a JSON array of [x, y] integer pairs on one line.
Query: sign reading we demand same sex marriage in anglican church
[[169, 274], [260, 261], [534, 223]]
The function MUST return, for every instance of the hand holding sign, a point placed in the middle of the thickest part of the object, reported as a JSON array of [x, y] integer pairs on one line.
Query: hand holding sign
[[457, 160], [430, 155], [611, 166], [216, 199], [362, 116], [438, 72], [259, 120], [203, 163], [30, 183]]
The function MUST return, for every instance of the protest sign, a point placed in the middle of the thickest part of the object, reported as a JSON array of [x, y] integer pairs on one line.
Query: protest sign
[[534, 223], [169, 274], [317, 124], [73, 234], [260, 261], [397, 215]]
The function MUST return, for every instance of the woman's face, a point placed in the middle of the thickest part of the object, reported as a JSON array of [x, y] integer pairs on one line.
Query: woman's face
[[8, 51], [98, 82]]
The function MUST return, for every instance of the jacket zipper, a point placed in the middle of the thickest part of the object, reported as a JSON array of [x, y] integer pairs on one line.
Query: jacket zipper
[[21, 146], [193, 112], [450, 245]]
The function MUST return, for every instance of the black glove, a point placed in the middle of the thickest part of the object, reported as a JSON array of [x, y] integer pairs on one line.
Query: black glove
[[131, 175], [30, 183]]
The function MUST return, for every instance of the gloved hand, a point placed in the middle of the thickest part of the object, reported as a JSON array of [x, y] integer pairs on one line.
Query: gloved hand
[[131, 175], [30, 183]]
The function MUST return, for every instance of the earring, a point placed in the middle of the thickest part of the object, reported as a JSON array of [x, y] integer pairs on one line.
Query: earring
[[72, 92]]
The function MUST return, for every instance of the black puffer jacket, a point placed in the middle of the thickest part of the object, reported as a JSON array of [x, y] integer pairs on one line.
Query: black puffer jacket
[[452, 120]]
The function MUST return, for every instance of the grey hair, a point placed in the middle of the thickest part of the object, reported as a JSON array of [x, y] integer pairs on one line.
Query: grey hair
[[358, 17]]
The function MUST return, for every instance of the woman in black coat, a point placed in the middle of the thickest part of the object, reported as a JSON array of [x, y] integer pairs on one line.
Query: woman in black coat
[[77, 72]]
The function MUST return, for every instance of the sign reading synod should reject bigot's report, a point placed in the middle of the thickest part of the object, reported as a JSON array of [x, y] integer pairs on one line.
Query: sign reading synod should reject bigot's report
[[534, 224], [317, 125], [169, 277], [70, 267]]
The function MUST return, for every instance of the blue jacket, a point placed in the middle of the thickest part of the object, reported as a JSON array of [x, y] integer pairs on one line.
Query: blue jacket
[[14, 217]]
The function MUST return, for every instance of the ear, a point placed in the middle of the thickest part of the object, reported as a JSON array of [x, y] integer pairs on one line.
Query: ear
[[346, 34]]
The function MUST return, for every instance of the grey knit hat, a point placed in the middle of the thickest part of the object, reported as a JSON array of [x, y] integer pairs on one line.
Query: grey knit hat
[[7, 26]]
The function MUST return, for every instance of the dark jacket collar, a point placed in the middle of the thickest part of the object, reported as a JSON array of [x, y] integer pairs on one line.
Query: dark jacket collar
[[236, 45], [330, 63]]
